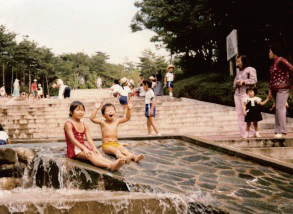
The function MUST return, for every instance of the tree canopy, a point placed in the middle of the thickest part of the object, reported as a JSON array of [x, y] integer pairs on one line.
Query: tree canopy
[[26, 61], [197, 29]]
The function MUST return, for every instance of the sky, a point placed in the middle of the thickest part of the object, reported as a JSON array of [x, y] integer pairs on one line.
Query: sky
[[71, 26]]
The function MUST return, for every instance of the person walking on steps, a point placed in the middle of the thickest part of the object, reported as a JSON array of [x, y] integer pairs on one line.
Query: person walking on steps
[[245, 77]]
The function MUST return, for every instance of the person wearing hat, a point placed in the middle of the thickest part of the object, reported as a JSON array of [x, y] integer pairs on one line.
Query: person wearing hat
[[169, 78], [34, 88], [16, 88], [40, 91], [124, 93]]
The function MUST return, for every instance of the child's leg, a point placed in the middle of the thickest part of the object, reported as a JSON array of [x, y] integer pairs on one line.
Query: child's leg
[[247, 126], [153, 123], [114, 151], [149, 126], [125, 109], [256, 126], [100, 161], [130, 155]]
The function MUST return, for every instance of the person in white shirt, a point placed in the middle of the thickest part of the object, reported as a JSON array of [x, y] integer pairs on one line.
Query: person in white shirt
[[40, 91], [2, 91], [169, 78], [4, 139], [115, 88], [124, 93], [64, 90], [150, 107], [99, 83]]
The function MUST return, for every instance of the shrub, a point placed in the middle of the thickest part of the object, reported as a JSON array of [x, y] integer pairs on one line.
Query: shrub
[[218, 88]]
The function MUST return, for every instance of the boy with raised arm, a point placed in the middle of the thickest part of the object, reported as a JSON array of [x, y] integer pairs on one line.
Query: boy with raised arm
[[109, 127]]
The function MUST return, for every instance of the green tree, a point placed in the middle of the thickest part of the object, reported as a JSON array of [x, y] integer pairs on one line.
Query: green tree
[[7, 45], [197, 29], [150, 63]]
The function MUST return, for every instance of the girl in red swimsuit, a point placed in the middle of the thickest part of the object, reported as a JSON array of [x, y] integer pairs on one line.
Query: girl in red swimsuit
[[75, 130]]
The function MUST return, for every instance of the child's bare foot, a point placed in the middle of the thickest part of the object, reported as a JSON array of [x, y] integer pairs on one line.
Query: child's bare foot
[[138, 158], [117, 164]]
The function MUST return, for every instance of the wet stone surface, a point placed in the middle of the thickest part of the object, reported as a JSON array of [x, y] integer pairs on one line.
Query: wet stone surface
[[206, 176], [239, 186]]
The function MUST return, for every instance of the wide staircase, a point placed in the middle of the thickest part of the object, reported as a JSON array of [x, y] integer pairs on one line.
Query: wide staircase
[[44, 119]]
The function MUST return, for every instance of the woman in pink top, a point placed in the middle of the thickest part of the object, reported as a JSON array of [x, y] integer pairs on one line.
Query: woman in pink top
[[75, 131], [280, 73], [244, 78]]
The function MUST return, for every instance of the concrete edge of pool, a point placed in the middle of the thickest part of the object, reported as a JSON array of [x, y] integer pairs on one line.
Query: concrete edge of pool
[[259, 159]]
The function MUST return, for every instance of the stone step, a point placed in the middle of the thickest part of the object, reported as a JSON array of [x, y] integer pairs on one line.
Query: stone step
[[212, 121], [139, 133], [193, 128]]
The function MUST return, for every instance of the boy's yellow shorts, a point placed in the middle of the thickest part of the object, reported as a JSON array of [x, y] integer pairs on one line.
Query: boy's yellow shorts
[[107, 144]]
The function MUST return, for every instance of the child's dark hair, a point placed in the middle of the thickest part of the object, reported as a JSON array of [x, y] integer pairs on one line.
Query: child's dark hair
[[249, 88], [116, 81], [147, 82], [105, 106], [73, 106], [1, 127]]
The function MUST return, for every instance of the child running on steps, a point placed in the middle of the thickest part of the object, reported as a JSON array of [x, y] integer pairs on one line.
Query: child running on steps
[[75, 130], [150, 107], [124, 93], [109, 126], [251, 110]]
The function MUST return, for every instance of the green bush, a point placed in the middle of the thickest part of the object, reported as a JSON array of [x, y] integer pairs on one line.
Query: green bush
[[218, 88]]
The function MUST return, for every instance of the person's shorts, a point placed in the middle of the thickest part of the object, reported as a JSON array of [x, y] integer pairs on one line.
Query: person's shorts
[[67, 92], [77, 150], [148, 111], [169, 84], [123, 100], [2, 142], [108, 144], [34, 93]]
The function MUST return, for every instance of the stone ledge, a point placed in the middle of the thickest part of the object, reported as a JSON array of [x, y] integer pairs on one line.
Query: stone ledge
[[100, 202]]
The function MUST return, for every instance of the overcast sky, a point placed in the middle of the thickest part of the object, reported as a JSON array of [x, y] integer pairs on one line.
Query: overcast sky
[[70, 26]]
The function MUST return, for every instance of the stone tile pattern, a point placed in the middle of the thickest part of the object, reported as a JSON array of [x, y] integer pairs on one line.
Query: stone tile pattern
[[239, 186]]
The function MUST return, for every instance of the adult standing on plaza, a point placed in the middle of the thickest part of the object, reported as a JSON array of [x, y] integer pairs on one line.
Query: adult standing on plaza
[[34, 88], [64, 90], [159, 87], [16, 88], [280, 73], [245, 77], [99, 83]]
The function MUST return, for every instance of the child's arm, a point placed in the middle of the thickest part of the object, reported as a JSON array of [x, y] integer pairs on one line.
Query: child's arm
[[68, 129], [118, 97], [90, 140], [265, 101], [93, 116], [128, 114], [165, 81]]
